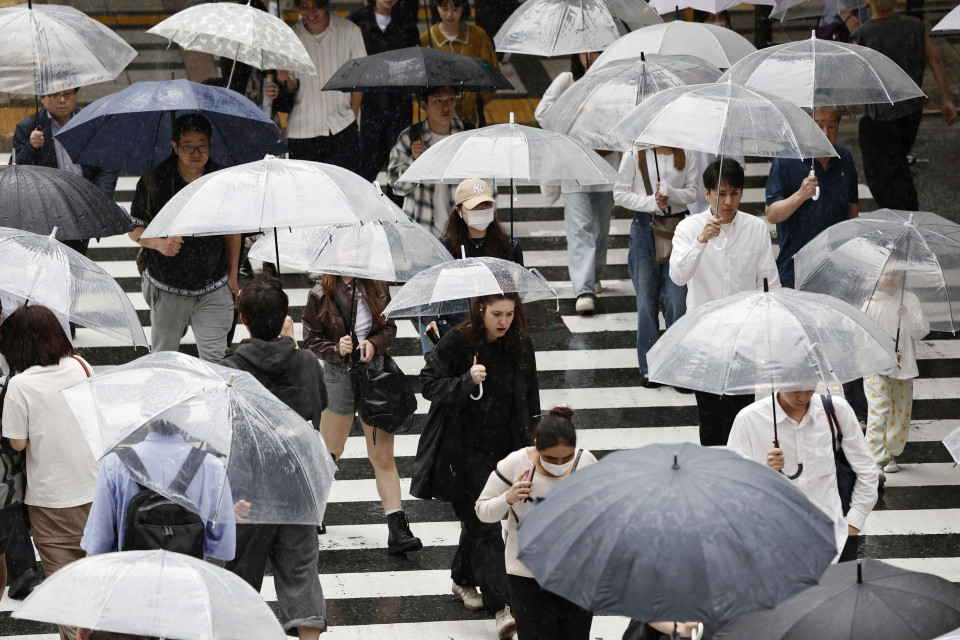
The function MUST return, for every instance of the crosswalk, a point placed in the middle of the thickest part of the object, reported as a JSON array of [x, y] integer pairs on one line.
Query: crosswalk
[[588, 363]]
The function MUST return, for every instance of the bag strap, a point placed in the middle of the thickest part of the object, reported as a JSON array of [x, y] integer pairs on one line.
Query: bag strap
[[133, 462], [576, 461], [188, 470], [502, 477], [644, 171], [836, 435], [346, 319], [86, 369]]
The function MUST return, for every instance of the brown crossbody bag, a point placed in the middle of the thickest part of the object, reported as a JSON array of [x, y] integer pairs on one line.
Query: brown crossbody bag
[[663, 225]]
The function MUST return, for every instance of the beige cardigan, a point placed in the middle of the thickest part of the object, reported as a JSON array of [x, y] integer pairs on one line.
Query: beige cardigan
[[492, 504]]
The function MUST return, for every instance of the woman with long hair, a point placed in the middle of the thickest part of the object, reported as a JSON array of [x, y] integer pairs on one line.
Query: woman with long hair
[[325, 333], [527, 474], [481, 381]]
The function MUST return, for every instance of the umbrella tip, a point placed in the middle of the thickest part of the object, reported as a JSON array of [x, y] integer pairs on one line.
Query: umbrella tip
[[813, 33], [910, 221], [233, 377], [859, 573], [676, 465], [643, 58], [511, 118], [53, 234], [766, 286]]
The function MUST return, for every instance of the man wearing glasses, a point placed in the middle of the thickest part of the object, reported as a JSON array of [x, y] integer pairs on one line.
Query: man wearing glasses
[[34, 144], [186, 281]]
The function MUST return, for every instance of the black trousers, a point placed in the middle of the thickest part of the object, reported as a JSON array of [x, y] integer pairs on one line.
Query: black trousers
[[15, 542], [884, 147], [341, 148], [716, 416], [849, 551], [542, 615], [479, 557]]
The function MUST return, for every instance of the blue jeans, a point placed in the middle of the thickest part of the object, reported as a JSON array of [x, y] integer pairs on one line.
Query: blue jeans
[[587, 219], [652, 283]]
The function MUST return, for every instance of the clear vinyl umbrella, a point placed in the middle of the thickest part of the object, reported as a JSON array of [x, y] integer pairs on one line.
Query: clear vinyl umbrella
[[152, 594], [561, 27], [785, 10], [38, 269], [274, 459], [710, 6], [950, 22], [238, 32], [719, 46], [50, 48], [379, 250], [600, 99], [919, 250]]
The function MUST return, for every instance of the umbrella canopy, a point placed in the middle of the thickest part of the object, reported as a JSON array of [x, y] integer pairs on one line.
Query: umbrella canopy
[[152, 594], [41, 199], [50, 48], [719, 46], [818, 73], [130, 130], [41, 270], [676, 532], [710, 6], [388, 251], [562, 27], [413, 68], [850, 260], [853, 602], [952, 443], [238, 32], [268, 194], [274, 459], [447, 288], [950, 22], [785, 10], [795, 340], [595, 103], [723, 119]]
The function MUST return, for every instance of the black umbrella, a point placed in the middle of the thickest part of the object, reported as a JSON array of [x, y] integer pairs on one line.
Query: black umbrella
[[413, 68], [865, 600], [41, 199]]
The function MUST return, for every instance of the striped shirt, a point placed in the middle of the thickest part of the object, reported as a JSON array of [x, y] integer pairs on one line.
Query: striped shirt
[[324, 113]]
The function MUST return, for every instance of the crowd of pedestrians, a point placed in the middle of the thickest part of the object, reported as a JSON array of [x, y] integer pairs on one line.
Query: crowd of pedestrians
[[487, 446]]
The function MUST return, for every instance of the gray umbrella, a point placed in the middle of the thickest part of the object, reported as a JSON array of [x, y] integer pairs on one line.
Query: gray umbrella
[[676, 532]]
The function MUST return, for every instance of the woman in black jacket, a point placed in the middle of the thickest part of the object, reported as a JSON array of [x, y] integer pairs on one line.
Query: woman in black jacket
[[383, 115], [469, 431]]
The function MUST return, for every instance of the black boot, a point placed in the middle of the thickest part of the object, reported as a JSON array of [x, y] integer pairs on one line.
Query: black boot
[[401, 539]]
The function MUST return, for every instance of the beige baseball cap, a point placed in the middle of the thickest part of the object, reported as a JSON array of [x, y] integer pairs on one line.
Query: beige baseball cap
[[472, 192]]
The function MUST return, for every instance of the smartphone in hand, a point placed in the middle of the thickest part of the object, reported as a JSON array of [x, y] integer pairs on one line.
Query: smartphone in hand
[[528, 476], [432, 336]]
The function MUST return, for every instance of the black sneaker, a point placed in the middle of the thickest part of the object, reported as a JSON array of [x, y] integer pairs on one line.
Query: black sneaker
[[25, 584], [648, 383], [401, 540]]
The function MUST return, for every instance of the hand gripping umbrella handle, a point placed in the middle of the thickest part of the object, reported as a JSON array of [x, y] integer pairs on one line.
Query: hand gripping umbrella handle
[[479, 393]]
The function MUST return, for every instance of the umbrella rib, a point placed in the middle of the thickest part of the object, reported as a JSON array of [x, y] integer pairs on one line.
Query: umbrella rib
[[946, 289]]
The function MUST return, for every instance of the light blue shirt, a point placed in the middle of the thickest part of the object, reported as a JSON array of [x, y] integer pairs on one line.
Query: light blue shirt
[[162, 457]]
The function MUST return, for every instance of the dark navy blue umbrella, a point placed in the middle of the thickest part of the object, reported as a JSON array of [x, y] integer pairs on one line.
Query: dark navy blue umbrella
[[130, 130], [676, 532]]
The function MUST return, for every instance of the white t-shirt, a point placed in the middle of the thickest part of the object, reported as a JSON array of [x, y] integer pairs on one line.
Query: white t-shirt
[[441, 192], [382, 21], [61, 469], [364, 320]]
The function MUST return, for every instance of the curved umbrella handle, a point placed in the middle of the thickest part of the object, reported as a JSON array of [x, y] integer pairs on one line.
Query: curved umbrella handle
[[797, 474], [816, 195], [697, 633], [479, 394]]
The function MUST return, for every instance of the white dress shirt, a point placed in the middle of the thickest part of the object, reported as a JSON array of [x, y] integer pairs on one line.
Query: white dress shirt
[[883, 308], [680, 187], [809, 442], [712, 271], [324, 113], [64, 161]]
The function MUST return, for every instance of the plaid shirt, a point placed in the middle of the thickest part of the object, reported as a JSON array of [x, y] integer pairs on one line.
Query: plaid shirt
[[418, 198]]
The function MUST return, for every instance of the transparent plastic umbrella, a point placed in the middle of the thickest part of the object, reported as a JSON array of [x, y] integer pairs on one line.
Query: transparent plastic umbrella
[[240, 33], [389, 251], [952, 443], [50, 48], [274, 459], [152, 594], [710, 6], [950, 22], [602, 98], [719, 46], [41, 270], [919, 249], [816, 73], [562, 27], [785, 10]]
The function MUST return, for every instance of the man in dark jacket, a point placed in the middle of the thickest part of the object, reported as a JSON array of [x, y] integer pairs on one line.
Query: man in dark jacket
[[34, 145], [272, 356]]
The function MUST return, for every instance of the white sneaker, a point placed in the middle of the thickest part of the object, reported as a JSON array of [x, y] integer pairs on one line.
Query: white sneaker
[[891, 466], [506, 625], [585, 304], [471, 599], [598, 287]]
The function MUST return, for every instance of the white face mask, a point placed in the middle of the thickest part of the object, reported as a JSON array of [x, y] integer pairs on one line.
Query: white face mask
[[556, 469], [480, 219]]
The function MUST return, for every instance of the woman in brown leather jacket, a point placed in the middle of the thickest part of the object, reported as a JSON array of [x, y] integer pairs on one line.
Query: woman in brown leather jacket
[[325, 333]]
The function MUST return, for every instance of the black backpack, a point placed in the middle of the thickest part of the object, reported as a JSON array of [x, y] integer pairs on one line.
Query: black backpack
[[156, 522]]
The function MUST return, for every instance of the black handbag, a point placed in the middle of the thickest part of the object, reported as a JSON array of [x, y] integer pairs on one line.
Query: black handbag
[[846, 476], [385, 396]]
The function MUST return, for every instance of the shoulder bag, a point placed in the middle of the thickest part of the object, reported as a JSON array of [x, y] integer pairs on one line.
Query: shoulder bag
[[663, 225], [846, 476]]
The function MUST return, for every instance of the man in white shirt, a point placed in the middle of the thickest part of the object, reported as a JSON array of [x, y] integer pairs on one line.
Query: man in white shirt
[[716, 255], [805, 437], [323, 124]]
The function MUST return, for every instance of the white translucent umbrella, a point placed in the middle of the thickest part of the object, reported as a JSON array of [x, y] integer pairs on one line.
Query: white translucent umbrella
[[562, 27], [238, 32], [784, 10], [274, 459], [950, 22], [37, 269], [952, 443], [595, 103], [388, 251], [51, 48], [719, 46], [710, 6], [152, 594]]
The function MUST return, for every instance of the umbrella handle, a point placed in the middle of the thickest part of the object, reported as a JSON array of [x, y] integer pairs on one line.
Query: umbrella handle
[[816, 195], [479, 394], [797, 474], [697, 633]]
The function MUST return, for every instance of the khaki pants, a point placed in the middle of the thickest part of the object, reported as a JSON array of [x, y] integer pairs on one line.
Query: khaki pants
[[889, 404], [57, 534]]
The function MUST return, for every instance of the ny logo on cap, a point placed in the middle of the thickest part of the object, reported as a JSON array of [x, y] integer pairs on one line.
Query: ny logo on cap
[[478, 188]]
